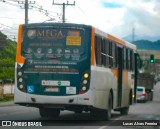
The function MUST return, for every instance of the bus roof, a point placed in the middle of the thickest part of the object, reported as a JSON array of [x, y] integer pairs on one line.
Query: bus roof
[[115, 39], [97, 31], [56, 24]]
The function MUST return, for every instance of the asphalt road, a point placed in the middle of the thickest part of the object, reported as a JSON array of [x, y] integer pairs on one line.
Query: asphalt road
[[70, 120]]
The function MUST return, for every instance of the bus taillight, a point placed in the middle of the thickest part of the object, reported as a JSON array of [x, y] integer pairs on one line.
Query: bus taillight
[[85, 83], [20, 79], [86, 75], [144, 94]]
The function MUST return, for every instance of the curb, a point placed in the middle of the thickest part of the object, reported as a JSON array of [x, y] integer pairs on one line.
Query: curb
[[5, 104]]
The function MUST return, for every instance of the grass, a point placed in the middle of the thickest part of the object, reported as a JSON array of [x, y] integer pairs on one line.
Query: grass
[[145, 54], [6, 98]]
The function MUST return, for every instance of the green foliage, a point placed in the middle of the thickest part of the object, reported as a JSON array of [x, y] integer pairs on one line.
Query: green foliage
[[147, 45], [7, 57], [3, 39], [6, 98]]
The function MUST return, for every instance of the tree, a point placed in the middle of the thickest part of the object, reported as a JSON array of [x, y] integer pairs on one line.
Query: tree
[[3, 39], [7, 57]]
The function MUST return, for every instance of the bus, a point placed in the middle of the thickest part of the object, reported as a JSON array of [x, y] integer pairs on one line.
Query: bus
[[75, 67]]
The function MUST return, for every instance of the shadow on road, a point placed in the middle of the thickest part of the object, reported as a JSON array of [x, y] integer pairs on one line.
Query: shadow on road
[[77, 119]]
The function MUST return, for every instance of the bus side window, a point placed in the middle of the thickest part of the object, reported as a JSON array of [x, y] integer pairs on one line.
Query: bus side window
[[103, 56], [107, 52], [124, 58], [98, 50], [114, 54], [129, 60], [110, 54], [133, 61]]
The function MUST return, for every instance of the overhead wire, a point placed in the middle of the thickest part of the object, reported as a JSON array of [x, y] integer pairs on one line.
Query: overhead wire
[[81, 9], [11, 18], [41, 10], [45, 9], [6, 26], [38, 7], [11, 0], [6, 2], [8, 33], [46, 12]]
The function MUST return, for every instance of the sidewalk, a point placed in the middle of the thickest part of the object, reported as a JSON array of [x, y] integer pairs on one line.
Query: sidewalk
[[9, 103]]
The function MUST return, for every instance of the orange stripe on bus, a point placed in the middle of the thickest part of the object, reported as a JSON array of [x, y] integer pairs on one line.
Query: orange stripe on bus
[[19, 58], [115, 72], [125, 78], [92, 46], [117, 40]]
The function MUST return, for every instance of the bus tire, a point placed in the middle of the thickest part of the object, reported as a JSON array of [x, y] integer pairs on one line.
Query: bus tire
[[108, 111], [124, 111], [99, 114], [131, 100], [151, 96], [48, 112], [78, 111]]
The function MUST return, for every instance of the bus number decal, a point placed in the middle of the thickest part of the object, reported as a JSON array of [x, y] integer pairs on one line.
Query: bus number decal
[[73, 40]]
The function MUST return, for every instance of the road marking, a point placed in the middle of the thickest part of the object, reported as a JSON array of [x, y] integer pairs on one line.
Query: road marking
[[102, 127], [115, 120], [111, 123]]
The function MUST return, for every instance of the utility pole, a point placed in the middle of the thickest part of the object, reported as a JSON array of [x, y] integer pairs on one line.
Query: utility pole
[[64, 4], [133, 35], [26, 7], [26, 11]]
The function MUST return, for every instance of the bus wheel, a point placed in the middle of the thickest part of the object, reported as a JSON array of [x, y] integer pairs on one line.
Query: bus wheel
[[124, 111], [98, 114], [107, 113], [78, 111], [49, 112]]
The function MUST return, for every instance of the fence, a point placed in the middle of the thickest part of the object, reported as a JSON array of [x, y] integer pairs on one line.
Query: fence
[[6, 89]]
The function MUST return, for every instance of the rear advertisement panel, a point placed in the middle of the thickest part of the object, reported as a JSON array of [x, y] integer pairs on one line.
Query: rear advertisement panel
[[56, 59]]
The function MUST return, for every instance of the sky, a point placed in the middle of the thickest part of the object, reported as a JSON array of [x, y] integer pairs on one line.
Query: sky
[[117, 17]]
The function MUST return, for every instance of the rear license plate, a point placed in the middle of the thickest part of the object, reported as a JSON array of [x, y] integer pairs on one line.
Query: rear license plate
[[50, 89]]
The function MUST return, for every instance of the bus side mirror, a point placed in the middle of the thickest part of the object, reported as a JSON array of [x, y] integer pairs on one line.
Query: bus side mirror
[[139, 62]]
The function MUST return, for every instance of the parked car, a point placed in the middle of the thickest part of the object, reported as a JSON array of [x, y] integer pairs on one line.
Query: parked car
[[141, 94]]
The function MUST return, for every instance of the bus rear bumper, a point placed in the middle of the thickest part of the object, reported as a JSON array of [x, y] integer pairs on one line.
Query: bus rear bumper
[[54, 101]]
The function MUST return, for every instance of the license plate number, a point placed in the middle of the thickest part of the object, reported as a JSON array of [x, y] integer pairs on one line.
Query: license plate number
[[49, 89]]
